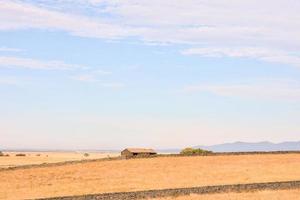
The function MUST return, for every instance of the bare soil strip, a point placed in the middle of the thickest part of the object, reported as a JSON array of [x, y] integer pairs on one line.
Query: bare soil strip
[[238, 188]]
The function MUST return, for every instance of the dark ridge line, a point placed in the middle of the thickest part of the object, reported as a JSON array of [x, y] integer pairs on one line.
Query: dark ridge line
[[148, 194], [149, 157]]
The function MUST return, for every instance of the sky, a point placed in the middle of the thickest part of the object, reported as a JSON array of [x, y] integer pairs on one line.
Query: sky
[[110, 74]]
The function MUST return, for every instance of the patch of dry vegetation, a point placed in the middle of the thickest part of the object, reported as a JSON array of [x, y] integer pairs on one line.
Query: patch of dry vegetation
[[261, 195], [145, 174], [192, 151]]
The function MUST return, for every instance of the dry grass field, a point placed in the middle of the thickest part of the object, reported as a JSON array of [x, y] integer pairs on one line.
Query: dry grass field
[[144, 174], [261, 195], [47, 157]]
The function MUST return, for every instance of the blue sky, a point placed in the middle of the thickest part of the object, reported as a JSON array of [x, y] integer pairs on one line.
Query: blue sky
[[100, 74]]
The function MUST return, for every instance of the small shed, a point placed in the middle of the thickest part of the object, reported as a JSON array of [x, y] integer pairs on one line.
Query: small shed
[[137, 152]]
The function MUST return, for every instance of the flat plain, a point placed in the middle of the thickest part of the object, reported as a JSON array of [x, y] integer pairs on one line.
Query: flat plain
[[146, 173]]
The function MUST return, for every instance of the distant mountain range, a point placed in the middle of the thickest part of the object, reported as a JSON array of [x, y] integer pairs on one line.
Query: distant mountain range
[[259, 146]]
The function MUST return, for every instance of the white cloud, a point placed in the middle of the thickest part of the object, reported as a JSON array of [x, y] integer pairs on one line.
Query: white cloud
[[7, 49], [211, 21], [17, 15], [17, 62], [95, 77], [272, 89], [269, 55], [208, 23], [191, 21]]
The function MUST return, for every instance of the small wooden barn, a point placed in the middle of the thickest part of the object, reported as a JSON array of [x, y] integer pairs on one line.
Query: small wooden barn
[[137, 152]]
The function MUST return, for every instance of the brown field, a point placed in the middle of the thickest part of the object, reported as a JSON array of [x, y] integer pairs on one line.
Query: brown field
[[47, 157], [144, 174], [261, 195]]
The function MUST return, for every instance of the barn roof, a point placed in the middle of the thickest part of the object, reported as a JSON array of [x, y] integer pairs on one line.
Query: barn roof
[[140, 150]]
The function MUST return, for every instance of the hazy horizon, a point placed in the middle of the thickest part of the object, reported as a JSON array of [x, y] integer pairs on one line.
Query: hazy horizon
[[99, 74], [235, 146]]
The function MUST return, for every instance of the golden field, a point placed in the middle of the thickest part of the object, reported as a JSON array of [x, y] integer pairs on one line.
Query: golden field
[[32, 158], [143, 174], [261, 195]]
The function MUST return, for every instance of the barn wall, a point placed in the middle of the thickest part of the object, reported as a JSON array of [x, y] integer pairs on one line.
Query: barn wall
[[126, 154]]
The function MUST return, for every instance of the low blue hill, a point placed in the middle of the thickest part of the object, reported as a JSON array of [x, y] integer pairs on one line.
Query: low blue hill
[[248, 147]]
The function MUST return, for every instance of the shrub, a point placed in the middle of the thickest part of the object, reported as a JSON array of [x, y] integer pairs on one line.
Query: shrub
[[192, 151], [20, 154], [1, 154], [86, 155]]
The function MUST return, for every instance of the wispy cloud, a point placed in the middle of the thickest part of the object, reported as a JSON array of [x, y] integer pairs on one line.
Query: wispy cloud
[[7, 49], [272, 89], [264, 54], [97, 77], [163, 21], [207, 23], [17, 15], [18, 62]]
